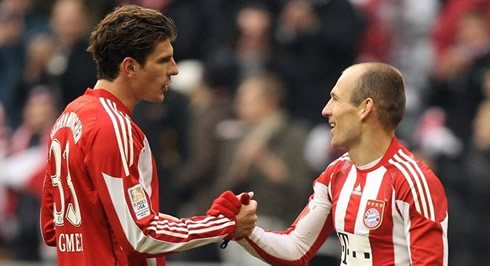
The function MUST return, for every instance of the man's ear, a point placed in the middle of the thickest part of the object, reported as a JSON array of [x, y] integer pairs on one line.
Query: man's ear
[[366, 107], [128, 67]]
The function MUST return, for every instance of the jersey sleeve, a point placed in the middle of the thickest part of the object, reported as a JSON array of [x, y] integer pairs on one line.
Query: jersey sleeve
[[422, 204], [48, 230], [299, 243], [119, 159]]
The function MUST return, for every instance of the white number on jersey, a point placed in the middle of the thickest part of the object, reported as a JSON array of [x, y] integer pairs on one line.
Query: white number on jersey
[[73, 209]]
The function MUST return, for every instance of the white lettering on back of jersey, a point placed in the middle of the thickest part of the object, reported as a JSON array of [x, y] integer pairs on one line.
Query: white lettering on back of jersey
[[70, 242], [70, 120]]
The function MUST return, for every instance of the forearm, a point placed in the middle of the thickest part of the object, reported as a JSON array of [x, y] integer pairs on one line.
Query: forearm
[[298, 244]]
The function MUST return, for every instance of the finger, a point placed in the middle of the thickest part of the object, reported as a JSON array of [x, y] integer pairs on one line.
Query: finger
[[245, 198], [251, 194]]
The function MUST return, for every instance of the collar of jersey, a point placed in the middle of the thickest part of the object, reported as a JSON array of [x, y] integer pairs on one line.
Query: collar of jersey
[[106, 94], [392, 149]]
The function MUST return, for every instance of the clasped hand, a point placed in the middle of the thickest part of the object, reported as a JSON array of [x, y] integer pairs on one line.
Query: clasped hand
[[241, 208]]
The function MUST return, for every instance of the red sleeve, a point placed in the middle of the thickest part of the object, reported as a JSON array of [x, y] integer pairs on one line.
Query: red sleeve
[[425, 214], [119, 160], [48, 230]]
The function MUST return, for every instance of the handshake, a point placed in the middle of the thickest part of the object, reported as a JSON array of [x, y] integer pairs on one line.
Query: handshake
[[239, 208]]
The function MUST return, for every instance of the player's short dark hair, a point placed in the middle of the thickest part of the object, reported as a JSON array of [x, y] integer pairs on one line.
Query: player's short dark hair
[[128, 31], [384, 84]]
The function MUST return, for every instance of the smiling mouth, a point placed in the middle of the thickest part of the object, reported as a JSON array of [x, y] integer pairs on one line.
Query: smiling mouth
[[332, 125]]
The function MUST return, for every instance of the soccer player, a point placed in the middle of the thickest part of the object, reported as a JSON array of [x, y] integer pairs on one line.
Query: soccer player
[[100, 196], [386, 207]]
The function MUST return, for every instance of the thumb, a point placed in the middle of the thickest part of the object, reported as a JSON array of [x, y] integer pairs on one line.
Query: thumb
[[251, 194], [245, 197]]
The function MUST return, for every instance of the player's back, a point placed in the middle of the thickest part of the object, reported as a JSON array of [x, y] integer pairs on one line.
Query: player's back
[[81, 233]]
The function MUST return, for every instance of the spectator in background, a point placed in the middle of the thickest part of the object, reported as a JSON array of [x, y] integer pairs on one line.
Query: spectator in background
[[4, 140], [398, 34], [316, 41], [71, 65], [446, 27], [208, 87], [263, 152], [471, 41], [19, 22], [486, 83], [39, 52], [469, 199], [166, 125], [459, 72], [22, 173], [11, 58], [250, 47], [191, 19]]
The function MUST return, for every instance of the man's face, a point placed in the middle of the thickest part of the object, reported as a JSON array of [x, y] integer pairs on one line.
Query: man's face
[[250, 102], [154, 77], [342, 115]]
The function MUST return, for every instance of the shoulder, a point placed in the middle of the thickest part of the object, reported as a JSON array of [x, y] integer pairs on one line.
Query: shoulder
[[416, 184], [335, 167], [405, 168]]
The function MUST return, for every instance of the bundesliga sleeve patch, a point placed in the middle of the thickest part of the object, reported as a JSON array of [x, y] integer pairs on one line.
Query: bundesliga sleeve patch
[[139, 202]]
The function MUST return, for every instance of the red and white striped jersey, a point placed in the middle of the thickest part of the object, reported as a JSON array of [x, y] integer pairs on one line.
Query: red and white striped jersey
[[100, 195], [394, 213]]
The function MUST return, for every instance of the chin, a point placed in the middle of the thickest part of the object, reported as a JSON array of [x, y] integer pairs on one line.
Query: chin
[[157, 99], [336, 145]]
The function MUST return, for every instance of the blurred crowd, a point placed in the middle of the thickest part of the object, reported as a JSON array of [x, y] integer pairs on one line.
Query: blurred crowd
[[245, 111]]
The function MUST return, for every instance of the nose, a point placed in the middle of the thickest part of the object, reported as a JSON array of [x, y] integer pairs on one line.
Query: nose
[[174, 70], [327, 111]]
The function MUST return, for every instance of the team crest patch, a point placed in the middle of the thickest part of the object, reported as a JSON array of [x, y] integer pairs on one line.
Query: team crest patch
[[139, 202], [373, 216]]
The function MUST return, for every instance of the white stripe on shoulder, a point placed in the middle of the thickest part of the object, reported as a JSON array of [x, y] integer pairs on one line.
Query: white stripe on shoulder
[[117, 133], [410, 183], [421, 175], [130, 133], [418, 183], [418, 187], [344, 157], [126, 132], [123, 126]]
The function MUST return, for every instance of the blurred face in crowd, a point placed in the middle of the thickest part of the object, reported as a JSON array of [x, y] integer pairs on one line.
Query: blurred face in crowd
[[250, 104], [254, 25], [40, 111], [69, 21], [481, 127], [152, 78], [473, 31], [342, 115]]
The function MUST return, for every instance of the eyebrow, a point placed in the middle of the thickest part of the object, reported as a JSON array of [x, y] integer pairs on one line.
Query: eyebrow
[[165, 58]]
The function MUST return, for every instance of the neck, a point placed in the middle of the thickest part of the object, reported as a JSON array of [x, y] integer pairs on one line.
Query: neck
[[117, 89], [371, 147]]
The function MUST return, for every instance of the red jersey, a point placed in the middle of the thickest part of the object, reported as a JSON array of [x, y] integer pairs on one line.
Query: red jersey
[[100, 195], [393, 213]]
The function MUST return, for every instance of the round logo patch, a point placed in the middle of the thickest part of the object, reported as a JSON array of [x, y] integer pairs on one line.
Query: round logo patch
[[372, 218]]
